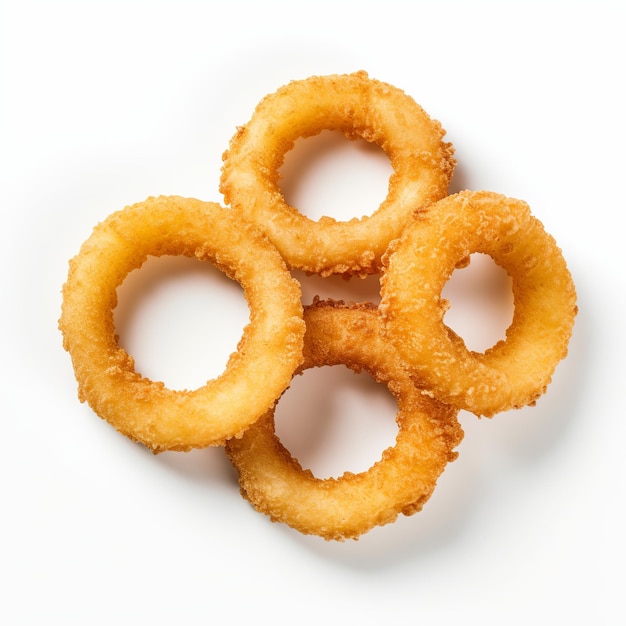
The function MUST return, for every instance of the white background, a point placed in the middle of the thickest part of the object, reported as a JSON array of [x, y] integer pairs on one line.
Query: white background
[[106, 103]]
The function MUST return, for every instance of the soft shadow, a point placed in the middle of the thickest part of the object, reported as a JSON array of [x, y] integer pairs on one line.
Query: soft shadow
[[535, 431], [441, 523], [527, 436], [461, 179], [333, 420], [351, 290], [207, 466], [517, 439]]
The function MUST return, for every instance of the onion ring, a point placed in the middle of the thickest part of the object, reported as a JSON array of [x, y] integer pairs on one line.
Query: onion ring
[[256, 374], [400, 482], [359, 107], [516, 371]]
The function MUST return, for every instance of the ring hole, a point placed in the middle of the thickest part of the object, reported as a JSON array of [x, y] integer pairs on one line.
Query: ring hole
[[180, 319], [481, 302], [328, 175], [333, 420]]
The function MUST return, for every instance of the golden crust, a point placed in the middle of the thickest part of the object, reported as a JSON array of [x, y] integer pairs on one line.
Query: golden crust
[[416, 238], [359, 107], [257, 372], [352, 504], [514, 372]]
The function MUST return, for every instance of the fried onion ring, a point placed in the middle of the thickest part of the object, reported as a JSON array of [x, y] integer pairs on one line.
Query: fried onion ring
[[359, 107], [516, 371], [400, 482], [256, 373]]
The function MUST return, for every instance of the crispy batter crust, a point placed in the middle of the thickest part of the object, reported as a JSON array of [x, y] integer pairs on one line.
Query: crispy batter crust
[[359, 107], [517, 370], [257, 372], [350, 505]]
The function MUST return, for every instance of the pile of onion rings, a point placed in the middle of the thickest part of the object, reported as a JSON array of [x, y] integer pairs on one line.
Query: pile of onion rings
[[414, 241]]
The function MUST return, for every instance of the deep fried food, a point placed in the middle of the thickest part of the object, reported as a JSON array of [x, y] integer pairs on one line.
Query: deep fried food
[[256, 373], [416, 239], [515, 371], [359, 107], [400, 482]]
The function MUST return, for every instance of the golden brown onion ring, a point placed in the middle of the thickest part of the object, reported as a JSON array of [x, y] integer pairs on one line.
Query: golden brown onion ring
[[359, 107], [256, 374], [400, 482], [515, 371]]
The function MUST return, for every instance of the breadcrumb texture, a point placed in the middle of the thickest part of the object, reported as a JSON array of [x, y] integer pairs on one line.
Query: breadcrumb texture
[[359, 107], [260, 367], [399, 483], [516, 371]]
